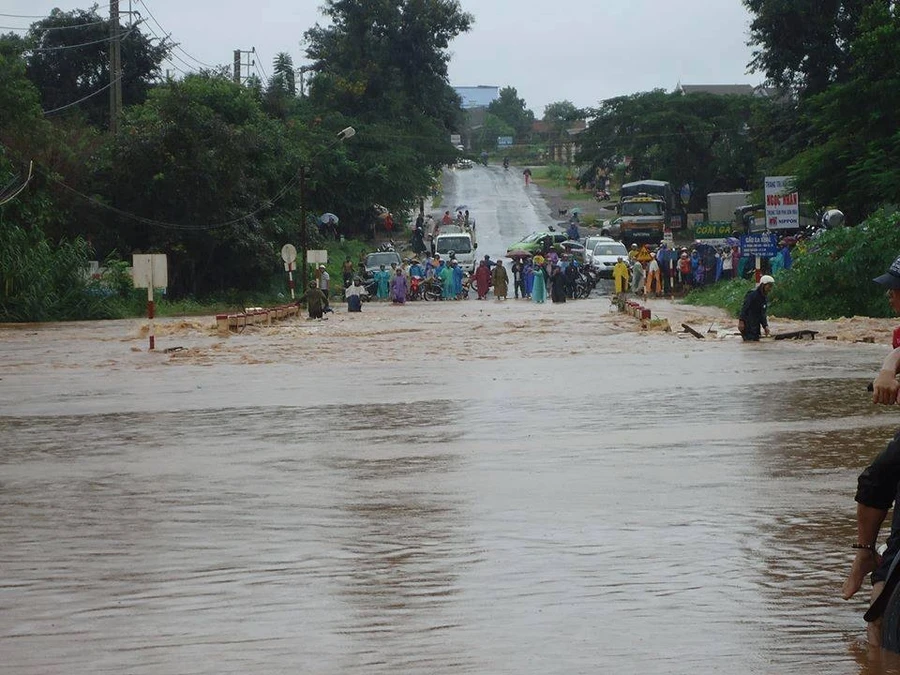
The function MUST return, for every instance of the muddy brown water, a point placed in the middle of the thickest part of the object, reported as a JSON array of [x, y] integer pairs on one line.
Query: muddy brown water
[[445, 488]]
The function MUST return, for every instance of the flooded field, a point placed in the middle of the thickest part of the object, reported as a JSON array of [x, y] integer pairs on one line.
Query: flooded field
[[448, 488]]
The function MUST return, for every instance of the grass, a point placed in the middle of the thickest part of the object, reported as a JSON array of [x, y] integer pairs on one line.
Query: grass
[[728, 295]]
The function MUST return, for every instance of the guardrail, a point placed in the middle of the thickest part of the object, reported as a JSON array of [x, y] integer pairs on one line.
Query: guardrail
[[254, 316]]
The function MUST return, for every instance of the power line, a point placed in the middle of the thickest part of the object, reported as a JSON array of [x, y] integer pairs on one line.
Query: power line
[[49, 28], [175, 45], [85, 98], [177, 226], [260, 66], [83, 44]]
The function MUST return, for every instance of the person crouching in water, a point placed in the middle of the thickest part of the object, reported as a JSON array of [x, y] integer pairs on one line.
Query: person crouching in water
[[753, 313], [315, 301], [354, 293]]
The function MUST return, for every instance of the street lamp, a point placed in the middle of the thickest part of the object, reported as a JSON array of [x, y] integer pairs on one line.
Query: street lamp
[[342, 135]]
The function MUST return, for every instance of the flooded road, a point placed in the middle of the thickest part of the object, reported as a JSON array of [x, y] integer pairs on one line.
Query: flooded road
[[450, 488]]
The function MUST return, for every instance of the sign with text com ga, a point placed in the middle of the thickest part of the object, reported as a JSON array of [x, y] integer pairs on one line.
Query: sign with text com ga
[[782, 203], [763, 244], [716, 229]]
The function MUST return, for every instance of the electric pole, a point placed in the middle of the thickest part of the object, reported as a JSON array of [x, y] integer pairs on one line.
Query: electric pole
[[239, 64], [115, 67]]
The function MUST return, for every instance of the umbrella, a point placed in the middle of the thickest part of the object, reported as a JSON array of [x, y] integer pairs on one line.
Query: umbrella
[[325, 217], [518, 254], [733, 241], [575, 210], [461, 207]]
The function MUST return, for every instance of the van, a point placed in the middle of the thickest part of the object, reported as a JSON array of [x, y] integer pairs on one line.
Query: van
[[462, 244]]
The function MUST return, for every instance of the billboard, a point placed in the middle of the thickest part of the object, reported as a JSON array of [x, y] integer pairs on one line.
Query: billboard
[[782, 203]]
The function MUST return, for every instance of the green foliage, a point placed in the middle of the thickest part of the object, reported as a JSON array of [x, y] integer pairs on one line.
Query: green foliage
[[511, 110], [803, 45], [64, 76], [696, 139], [832, 276], [854, 161], [728, 295], [42, 282]]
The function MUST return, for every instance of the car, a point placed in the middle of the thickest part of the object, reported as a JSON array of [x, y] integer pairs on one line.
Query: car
[[374, 261], [605, 255], [612, 228], [591, 241], [464, 163], [534, 242]]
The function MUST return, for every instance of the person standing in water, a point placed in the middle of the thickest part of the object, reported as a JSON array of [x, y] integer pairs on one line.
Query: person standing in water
[[539, 286]]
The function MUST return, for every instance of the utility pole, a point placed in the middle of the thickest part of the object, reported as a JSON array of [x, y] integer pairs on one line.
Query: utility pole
[[239, 64], [304, 233], [115, 67]]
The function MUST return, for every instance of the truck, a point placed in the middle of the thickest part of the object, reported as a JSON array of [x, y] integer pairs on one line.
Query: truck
[[721, 206], [459, 241], [645, 211]]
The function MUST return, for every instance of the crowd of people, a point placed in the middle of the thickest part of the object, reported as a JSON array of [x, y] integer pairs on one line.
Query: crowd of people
[[666, 269]]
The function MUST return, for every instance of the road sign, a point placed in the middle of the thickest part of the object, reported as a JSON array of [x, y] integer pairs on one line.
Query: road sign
[[150, 270], [504, 141], [288, 253], [317, 257], [764, 245]]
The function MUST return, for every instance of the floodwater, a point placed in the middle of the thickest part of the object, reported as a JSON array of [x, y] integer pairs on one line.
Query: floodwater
[[448, 488]]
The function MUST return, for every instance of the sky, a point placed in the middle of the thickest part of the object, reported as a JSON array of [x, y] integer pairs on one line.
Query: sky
[[583, 51]]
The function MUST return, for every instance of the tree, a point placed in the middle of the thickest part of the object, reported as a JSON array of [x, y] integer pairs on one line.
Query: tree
[[208, 179], [383, 66], [561, 114], [511, 109], [64, 73], [804, 45], [853, 159], [700, 140]]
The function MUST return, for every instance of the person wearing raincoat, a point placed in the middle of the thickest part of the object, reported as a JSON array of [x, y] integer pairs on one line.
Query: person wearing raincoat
[[445, 274], [539, 287], [383, 279], [501, 281], [457, 278], [399, 288], [528, 278], [483, 279], [621, 274], [637, 278], [315, 301]]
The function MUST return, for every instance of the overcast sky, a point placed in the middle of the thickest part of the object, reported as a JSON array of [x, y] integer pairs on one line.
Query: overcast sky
[[549, 50]]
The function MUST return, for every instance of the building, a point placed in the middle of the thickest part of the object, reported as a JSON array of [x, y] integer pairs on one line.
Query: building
[[480, 96], [726, 89]]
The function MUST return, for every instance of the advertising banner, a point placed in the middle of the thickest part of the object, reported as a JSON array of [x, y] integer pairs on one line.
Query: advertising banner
[[714, 233], [782, 203]]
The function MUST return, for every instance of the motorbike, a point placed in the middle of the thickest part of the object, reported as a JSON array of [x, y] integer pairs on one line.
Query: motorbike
[[506, 163], [386, 247], [432, 289], [415, 288], [371, 288]]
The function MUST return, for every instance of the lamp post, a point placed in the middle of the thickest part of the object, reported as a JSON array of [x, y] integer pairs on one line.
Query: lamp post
[[342, 135]]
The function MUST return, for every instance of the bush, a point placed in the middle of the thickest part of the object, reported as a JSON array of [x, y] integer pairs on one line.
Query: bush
[[832, 275]]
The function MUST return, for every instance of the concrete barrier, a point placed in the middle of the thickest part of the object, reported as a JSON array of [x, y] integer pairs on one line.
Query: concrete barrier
[[227, 323]]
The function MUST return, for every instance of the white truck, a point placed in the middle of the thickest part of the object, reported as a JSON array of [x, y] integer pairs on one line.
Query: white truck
[[722, 205], [461, 242]]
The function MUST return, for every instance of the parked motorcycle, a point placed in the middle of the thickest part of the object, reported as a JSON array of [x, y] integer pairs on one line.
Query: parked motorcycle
[[432, 289]]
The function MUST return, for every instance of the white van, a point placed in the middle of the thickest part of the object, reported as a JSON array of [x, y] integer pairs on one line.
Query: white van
[[462, 244]]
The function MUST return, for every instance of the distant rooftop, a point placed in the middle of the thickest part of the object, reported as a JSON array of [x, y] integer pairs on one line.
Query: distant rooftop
[[725, 89]]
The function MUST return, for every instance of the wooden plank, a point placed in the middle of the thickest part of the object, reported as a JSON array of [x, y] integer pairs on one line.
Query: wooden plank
[[697, 334], [804, 334]]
